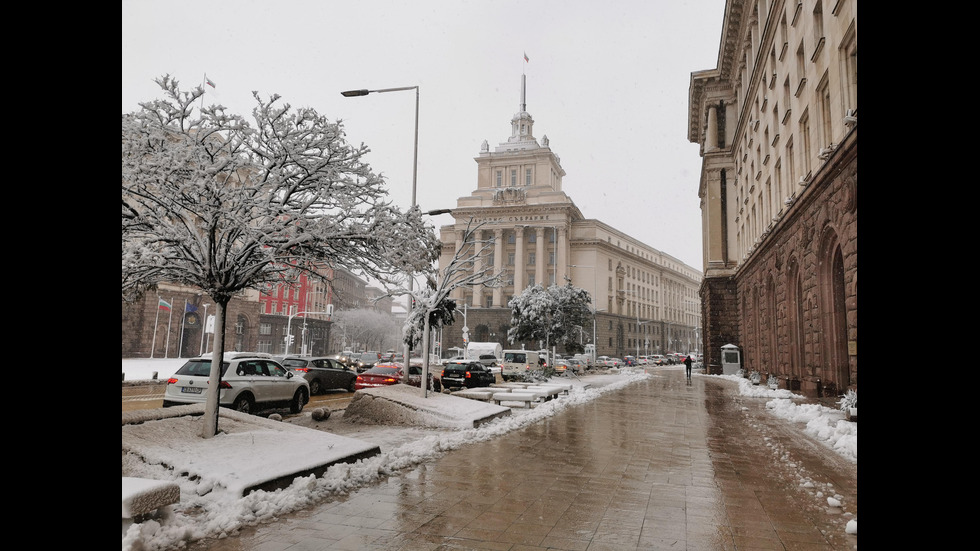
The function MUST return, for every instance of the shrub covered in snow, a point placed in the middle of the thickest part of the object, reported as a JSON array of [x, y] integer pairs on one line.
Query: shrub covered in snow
[[848, 401]]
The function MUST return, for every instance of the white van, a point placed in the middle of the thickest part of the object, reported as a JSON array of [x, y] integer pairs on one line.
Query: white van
[[519, 361]]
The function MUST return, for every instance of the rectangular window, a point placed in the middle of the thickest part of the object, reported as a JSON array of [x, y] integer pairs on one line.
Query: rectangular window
[[510, 259], [527, 177], [500, 177], [488, 301], [265, 329], [826, 126], [513, 178], [532, 259], [849, 69], [807, 146], [551, 258], [530, 280], [532, 237]]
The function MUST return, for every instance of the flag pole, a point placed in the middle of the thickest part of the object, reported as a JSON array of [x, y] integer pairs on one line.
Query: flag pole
[[183, 317], [156, 322]]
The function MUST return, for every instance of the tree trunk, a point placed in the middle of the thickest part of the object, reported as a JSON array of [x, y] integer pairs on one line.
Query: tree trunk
[[425, 356], [214, 380]]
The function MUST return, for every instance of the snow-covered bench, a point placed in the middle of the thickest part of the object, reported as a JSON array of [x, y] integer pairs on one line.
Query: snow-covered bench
[[550, 392], [484, 395], [143, 498], [517, 396]]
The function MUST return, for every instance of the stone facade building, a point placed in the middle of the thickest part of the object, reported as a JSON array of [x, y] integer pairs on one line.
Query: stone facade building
[[646, 301], [777, 125]]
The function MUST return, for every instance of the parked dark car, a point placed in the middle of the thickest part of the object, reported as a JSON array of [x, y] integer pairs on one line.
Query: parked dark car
[[466, 374], [322, 373]]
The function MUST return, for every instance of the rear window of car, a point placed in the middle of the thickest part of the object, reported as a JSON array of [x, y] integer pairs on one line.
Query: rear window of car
[[200, 368], [515, 357], [294, 362]]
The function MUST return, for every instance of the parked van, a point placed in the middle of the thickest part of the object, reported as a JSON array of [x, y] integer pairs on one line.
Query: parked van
[[476, 349], [519, 361]]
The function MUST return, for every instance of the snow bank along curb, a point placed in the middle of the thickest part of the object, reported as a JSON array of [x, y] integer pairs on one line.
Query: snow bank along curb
[[241, 438], [404, 405]]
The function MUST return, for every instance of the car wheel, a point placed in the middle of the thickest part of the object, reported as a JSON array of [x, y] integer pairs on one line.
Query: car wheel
[[243, 403], [351, 387], [315, 387], [299, 400]]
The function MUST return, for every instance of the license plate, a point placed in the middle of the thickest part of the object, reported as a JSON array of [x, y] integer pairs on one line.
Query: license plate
[[191, 389]]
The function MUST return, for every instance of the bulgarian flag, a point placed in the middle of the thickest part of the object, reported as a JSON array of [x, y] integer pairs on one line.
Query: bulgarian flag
[[164, 305], [525, 57], [211, 84]]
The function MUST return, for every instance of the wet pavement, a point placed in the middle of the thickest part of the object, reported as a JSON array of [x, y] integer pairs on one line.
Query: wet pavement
[[664, 463]]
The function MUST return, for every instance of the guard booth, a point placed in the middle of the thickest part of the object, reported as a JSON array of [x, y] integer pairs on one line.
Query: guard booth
[[730, 360]]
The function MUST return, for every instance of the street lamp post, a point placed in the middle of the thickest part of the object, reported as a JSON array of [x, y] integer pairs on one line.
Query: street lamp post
[[289, 323], [595, 304], [415, 168]]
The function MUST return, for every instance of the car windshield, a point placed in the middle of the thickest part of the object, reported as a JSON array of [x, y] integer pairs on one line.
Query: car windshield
[[200, 368]]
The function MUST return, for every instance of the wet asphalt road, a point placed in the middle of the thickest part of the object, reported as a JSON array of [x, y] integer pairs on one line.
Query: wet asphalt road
[[661, 464]]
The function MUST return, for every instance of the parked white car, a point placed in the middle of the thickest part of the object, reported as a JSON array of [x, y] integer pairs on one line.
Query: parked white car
[[250, 381]]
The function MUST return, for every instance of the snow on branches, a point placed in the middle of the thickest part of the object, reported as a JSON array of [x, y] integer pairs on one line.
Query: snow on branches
[[213, 201]]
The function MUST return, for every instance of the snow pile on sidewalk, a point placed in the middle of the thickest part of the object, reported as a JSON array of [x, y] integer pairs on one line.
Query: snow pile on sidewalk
[[826, 425]]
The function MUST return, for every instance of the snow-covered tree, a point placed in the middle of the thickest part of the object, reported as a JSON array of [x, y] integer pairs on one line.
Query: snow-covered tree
[[212, 201], [549, 315], [432, 306]]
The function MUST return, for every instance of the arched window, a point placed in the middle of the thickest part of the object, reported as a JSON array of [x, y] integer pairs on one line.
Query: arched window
[[833, 313]]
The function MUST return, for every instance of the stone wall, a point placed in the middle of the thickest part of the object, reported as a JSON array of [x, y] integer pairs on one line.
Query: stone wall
[[789, 304]]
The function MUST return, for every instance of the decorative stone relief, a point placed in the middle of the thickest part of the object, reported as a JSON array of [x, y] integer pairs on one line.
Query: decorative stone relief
[[509, 196]]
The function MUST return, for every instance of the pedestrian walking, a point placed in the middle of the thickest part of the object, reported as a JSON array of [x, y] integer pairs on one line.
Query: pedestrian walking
[[687, 365]]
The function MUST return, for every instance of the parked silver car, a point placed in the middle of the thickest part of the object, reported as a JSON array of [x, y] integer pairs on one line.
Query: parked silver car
[[250, 381]]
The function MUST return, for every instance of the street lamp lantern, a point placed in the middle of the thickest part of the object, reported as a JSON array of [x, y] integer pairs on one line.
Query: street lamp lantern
[[353, 93]]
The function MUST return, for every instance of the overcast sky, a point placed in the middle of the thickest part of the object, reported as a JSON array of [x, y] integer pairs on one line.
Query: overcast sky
[[607, 82]]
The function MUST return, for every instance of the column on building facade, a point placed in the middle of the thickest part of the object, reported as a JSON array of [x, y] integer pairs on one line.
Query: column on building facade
[[477, 269], [520, 266], [714, 220], [498, 264], [561, 256], [457, 293], [711, 137], [540, 262]]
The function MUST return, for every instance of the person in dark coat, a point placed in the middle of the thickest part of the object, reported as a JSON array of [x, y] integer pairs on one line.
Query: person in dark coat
[[687, 365]]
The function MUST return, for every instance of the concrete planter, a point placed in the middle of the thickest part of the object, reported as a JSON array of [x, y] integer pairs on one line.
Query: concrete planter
[[852, 414]]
